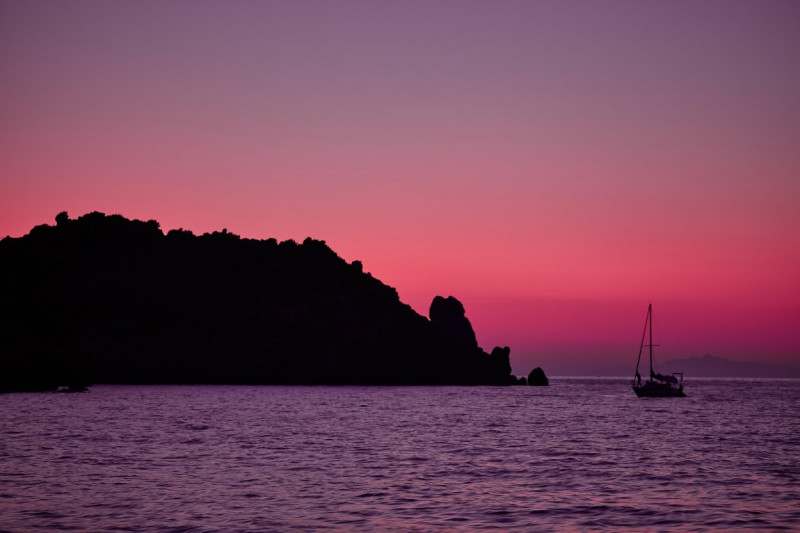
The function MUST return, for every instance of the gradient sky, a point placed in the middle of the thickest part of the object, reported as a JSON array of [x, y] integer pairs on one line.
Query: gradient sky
[[554, 165]]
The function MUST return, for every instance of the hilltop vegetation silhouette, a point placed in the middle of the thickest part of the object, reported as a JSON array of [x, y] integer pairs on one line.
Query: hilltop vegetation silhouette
[[104, 299]]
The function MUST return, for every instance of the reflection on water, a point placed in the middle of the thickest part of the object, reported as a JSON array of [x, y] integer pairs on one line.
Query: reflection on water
[[580, 454]]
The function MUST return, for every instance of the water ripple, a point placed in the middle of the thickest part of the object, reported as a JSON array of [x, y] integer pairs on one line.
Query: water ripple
[[207, 459]]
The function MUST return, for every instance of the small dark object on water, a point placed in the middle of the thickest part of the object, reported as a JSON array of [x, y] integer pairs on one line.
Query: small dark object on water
[[74, 388], [537, 378]]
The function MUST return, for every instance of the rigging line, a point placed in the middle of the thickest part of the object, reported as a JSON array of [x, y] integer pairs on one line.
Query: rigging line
[[641, 344], [658, 333]]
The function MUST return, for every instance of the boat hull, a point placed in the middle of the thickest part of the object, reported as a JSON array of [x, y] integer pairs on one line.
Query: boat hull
[[652, 389]]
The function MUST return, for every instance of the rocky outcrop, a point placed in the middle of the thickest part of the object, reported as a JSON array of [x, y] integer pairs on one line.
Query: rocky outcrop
[[501, 361], [538, 378], [449, 320]]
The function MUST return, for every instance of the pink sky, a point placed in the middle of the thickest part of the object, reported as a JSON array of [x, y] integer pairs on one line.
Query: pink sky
[[554, 165]]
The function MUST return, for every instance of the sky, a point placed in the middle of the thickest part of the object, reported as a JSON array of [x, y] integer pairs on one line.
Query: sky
[[556, 166]]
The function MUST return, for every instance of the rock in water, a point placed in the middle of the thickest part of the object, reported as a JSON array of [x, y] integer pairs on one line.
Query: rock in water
[[537, 378]]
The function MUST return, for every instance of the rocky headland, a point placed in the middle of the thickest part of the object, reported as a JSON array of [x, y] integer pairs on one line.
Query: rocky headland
[[104, 299]]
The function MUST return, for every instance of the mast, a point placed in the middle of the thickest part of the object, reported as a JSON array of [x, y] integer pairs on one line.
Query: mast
[[650, 314], [641, 345]]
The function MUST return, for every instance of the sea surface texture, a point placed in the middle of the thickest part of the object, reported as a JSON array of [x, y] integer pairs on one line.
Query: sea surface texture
[[582, 454]]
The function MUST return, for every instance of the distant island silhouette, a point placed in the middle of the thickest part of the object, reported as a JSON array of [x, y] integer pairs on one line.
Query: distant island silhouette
[[707, 366], [104, 299], [720, 367]]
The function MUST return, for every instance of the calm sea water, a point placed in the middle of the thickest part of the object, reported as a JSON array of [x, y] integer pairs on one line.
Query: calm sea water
[[583, 454]]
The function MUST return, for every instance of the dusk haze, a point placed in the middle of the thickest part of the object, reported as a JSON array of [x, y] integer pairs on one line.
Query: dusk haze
[[399, 265], [554, 165]]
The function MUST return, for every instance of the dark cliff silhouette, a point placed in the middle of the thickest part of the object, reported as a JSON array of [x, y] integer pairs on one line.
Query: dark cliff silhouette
[[104, 299]]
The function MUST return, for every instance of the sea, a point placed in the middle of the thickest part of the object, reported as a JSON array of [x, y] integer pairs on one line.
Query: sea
[[584, 454]]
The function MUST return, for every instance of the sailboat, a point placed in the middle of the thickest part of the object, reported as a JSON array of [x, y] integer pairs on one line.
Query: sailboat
[[658, 385]]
